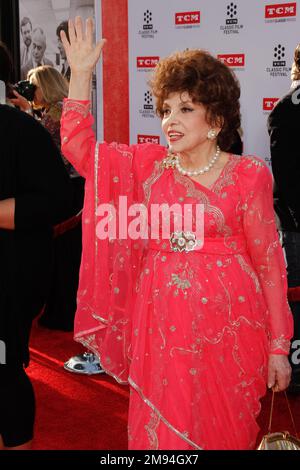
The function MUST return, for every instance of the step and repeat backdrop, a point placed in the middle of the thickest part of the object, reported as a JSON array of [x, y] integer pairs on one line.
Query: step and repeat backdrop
[[255, 38]]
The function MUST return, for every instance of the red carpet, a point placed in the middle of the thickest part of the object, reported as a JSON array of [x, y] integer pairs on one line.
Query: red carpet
[[79, 412], [74, 412]]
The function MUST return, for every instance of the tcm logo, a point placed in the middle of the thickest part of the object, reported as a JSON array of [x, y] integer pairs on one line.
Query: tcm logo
[[187, 17], [148, 139], [269, 103], [280, 10], [148, 102], [147, 20], [147, 62], [232, 60], [279, 55], [231, 14]]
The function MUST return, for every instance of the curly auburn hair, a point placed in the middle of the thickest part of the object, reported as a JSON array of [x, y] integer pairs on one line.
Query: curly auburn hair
[[208, 81]]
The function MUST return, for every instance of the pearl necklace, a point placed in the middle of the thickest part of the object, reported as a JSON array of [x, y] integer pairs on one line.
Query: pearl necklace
[[199, 171]]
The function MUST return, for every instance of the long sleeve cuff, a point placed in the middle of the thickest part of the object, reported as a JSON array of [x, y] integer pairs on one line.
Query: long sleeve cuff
[[82, 107], [77, 137], [280, 345]]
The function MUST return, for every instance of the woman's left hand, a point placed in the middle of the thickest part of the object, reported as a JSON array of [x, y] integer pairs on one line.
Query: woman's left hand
[[279, 373]]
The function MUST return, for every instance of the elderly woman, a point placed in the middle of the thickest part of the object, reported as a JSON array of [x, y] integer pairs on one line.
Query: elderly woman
[[196, 326]]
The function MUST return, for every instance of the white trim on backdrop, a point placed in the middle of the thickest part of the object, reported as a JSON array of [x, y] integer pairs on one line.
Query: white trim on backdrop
[[99, 74]]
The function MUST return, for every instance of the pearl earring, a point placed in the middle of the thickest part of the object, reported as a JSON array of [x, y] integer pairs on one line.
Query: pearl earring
[[212, 134]]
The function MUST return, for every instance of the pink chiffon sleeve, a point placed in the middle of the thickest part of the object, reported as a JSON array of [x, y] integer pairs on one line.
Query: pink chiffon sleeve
[[265, 250], [109, 266], [77, 136]]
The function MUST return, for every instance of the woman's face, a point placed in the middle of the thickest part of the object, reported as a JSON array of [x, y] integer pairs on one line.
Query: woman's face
[[184, 123]]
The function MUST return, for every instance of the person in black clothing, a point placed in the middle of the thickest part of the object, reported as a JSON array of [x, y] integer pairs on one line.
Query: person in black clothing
[[35, 194], [284, 127]]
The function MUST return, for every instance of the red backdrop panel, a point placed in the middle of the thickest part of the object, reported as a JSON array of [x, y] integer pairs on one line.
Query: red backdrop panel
[[115, 71]]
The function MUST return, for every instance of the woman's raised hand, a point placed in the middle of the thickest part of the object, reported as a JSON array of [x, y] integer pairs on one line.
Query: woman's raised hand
[[80, 50]]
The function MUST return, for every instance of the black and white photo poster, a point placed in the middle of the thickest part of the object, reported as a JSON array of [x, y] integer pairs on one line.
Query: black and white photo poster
[[40, 25]]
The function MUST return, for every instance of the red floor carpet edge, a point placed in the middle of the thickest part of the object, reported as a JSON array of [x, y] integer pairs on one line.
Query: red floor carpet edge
[[80, 412]]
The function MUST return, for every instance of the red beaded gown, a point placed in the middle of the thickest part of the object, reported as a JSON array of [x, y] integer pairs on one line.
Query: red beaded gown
[[190, 331]]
